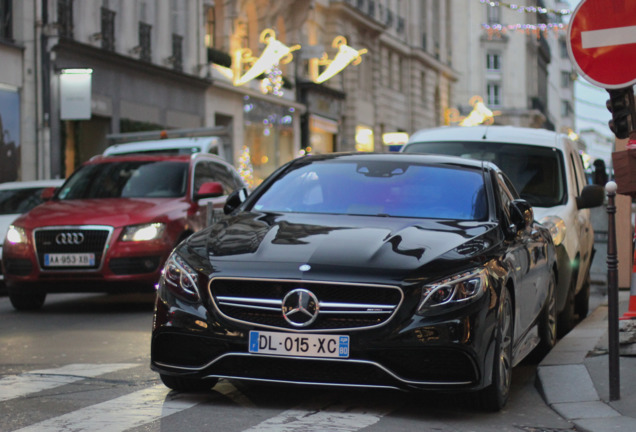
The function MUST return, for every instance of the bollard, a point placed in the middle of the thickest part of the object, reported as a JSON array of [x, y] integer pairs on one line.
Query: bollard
[[612, 294]]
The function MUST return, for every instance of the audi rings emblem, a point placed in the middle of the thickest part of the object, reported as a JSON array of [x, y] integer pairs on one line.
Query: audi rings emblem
[[300, 307], [69, 238]]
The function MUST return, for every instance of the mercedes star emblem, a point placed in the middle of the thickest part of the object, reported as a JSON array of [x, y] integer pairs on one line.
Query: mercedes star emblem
[[300, 307]]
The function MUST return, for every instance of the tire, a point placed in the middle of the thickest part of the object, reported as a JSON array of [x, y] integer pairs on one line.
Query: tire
[[548, 322], [582, 299], [27, 301], [567, 317], [189, 385], [494, 397]]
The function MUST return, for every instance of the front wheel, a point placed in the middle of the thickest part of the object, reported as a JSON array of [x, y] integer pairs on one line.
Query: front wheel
[[495, 396], [187, 384], [27, 301], [548, 321]]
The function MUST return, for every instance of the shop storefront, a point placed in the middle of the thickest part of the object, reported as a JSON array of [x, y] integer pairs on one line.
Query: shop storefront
[[321, 124], [268, 136]]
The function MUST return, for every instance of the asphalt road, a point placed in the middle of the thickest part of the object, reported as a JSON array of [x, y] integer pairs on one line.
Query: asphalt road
[[81, 364]]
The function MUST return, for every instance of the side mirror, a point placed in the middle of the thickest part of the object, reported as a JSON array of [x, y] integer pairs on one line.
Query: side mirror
[[591, 196], [209, 190], [48, 193], [234, 200], [522, 216]]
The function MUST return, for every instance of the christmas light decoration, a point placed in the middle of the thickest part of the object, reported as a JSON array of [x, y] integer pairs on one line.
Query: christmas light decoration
[[345, 55], [534, 29], [526, 9], [273, 81], [245, 168], [274, 53]]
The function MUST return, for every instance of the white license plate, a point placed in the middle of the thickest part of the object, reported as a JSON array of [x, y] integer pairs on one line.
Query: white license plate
[[299, 344], [69, 260]]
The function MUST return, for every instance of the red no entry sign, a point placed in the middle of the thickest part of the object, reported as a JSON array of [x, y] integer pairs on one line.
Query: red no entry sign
[[602, 42]]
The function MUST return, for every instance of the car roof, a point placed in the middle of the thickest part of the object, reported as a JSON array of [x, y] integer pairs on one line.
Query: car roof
[[399, 157], [31, 184], [494, 133]]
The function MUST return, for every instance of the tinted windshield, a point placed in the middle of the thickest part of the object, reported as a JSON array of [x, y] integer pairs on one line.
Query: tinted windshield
[[131, 179], [16, 201], [379, 188], [535, 171]]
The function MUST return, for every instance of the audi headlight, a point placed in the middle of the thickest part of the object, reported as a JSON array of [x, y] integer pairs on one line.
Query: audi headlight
[[16, 235], [180, 278], [556, 225], [144, 232], [457, 290]]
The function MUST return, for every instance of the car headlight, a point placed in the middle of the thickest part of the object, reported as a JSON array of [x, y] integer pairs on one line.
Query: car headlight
[[180, 278], [457, 290], [144, 232], [16, 235], [556, 225]]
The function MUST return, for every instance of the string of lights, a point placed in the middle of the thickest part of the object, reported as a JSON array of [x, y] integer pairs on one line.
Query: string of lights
[[535, 29], [526, 9]]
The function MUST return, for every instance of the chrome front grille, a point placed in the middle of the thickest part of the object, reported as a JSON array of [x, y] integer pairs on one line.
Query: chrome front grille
[[342, 306], [94, 240]]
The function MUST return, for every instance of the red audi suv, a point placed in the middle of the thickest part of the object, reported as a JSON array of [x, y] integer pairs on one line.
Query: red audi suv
[[112, 224]]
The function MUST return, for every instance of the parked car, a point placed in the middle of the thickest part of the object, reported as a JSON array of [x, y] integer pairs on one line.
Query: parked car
[[361, 270], [546, 168], [17, 198], [112, 224]]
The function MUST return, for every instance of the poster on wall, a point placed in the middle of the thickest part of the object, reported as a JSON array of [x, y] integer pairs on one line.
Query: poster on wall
[[9, 135]]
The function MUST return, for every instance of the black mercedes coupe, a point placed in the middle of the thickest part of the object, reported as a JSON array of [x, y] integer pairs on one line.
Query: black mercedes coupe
[[362, 270]]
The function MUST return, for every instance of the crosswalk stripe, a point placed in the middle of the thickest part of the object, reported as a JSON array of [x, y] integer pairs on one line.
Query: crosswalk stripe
[[14, 386], [341, 417], [120, 414]]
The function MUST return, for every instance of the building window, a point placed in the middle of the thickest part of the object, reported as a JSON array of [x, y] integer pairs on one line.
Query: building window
[[493, 61], [400, 74], [566, 108], [210, 24], [565, 79], [6, 20], [144, 42], [423, 88], [493, 90], [177, 52], [108, 29], [563, 48], [493, 15], [64, 18]]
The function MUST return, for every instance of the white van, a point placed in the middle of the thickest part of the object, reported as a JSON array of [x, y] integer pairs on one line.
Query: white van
[[213, 145], [213, 140], [546, 169]]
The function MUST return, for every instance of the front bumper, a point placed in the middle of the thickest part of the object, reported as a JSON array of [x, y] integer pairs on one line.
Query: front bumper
[[411, 352]]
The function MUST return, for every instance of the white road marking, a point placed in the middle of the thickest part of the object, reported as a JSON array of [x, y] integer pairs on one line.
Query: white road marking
[[228, 390], [608, 37], [120, 414], [339, 417], [14, 386]]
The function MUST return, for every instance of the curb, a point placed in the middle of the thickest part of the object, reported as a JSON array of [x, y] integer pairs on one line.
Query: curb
[[567, 386]]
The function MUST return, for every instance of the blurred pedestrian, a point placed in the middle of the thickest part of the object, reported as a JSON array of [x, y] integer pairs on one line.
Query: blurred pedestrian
[[600, 172]]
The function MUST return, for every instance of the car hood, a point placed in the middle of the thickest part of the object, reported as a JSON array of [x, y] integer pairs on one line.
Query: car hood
[[115, 212], [331, 244]]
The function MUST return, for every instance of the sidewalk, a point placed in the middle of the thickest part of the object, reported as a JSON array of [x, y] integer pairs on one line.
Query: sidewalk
[[574, 376]]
